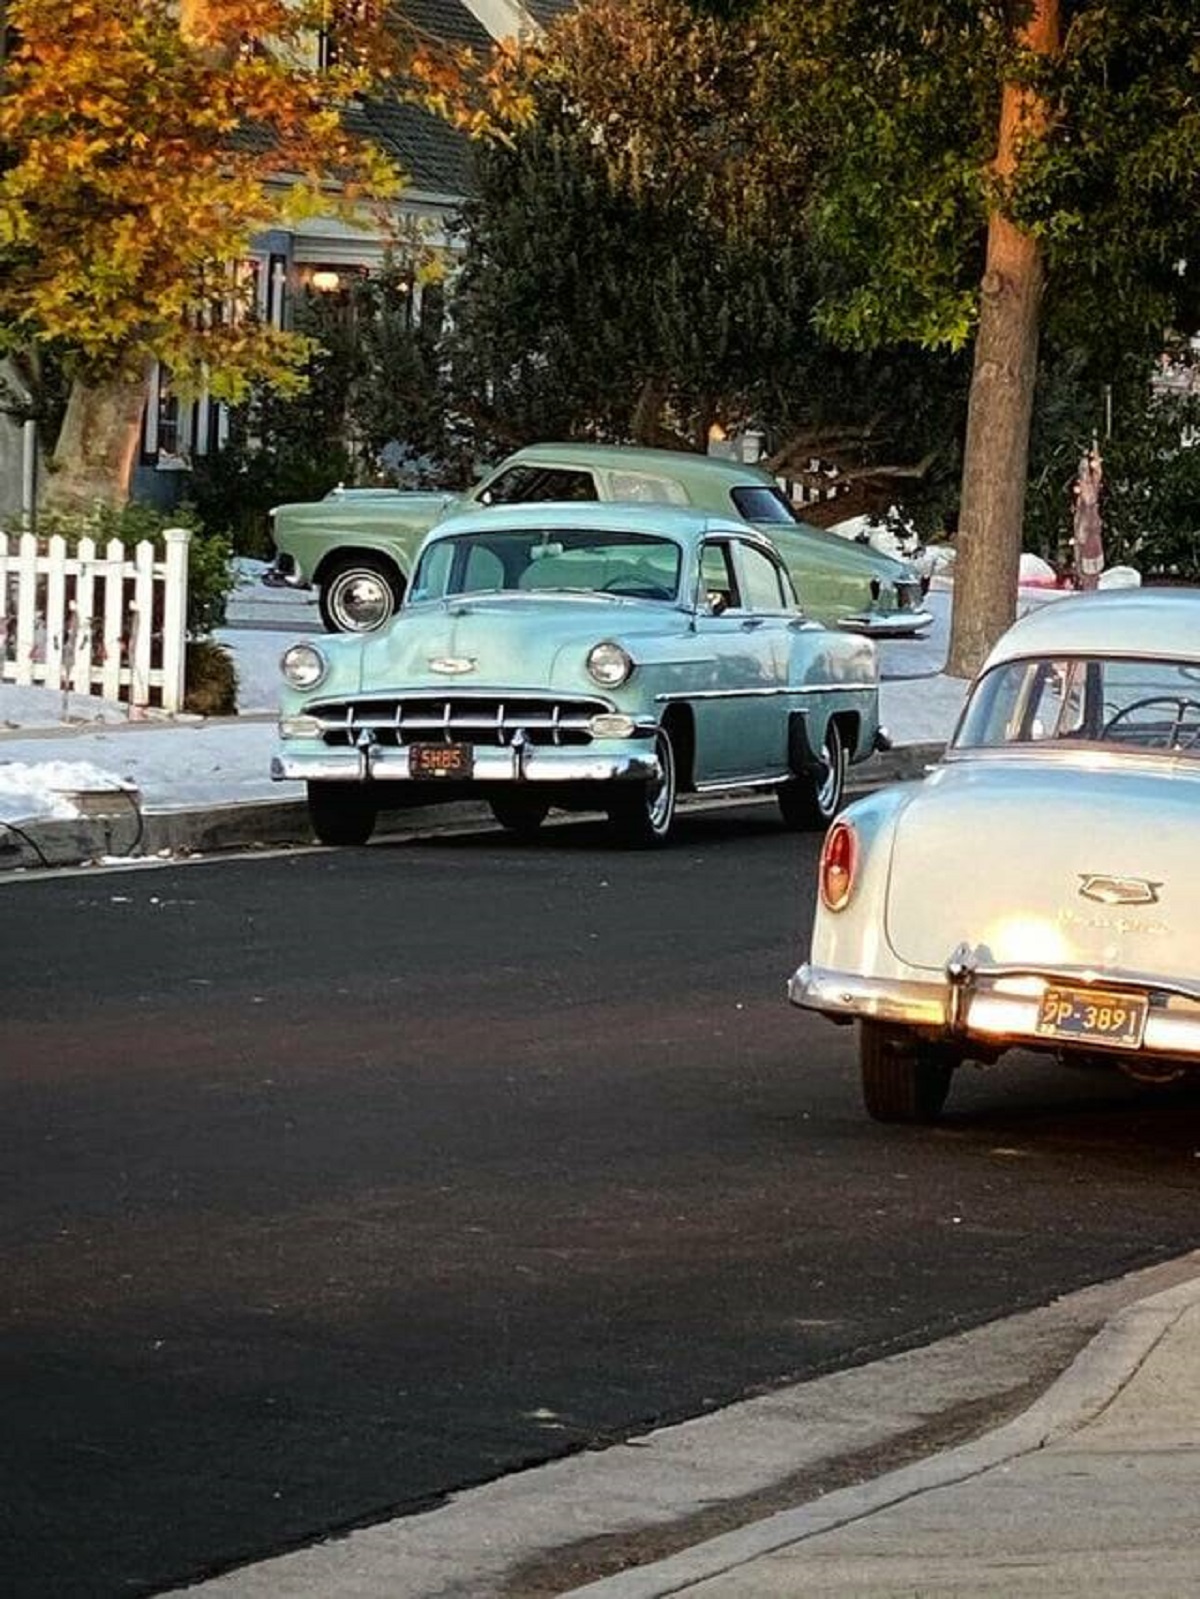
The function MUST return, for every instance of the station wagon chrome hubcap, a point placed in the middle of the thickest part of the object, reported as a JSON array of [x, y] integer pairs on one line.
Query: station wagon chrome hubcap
[[360, 601]]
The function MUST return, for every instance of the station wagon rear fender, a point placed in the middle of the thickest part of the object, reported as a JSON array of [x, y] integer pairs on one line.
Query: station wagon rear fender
[[806, 734]]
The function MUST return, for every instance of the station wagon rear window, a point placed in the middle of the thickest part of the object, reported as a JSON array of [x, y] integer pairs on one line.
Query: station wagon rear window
[[762, 504], [542, 560], [1111, 703]]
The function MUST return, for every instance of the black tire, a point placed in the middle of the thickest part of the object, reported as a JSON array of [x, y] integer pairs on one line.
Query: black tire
[[641, 815], [364, 586], [813, 800], [342, 813], [520, 813], [904, 1079]]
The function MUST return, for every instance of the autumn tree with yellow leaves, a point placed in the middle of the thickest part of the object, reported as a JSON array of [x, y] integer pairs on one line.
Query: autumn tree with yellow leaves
[[142, 146]]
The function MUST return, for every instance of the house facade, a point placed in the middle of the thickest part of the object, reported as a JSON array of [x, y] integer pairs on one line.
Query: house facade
[[324, 253]]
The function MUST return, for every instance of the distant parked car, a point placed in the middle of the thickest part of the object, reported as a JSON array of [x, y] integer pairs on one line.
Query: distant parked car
[[1038, 890], [357, 545], [595, 657]]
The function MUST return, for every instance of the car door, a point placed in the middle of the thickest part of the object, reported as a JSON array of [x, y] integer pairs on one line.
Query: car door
[[739, 707]]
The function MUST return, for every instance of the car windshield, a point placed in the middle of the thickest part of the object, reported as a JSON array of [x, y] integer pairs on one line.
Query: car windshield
[[1130, 704], [574, 560]]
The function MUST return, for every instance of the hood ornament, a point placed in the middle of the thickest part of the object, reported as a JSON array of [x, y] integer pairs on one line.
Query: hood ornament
[[1118, 890], [452, 665]]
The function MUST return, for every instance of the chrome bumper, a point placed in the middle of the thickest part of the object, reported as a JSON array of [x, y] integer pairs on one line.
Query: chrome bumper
[[512, 764], [996, 1007], [892, 624]]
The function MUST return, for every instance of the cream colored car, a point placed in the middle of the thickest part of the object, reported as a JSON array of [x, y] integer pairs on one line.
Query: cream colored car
[[1040, 889]]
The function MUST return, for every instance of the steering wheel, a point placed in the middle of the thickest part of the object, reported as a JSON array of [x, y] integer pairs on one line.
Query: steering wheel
[[634, 588], [1181, 704]]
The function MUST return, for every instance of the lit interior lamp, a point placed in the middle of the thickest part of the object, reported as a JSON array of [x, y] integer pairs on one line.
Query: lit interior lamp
[[325, 281]]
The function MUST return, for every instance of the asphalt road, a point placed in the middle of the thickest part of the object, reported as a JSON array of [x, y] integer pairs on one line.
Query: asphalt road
[[334, 1182]]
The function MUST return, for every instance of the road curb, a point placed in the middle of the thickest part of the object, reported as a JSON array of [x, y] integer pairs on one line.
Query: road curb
[[124, 832], [1098, 1374]]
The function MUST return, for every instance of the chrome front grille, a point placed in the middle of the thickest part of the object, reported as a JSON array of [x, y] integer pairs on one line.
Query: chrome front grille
[[457, 719], [908, 594]]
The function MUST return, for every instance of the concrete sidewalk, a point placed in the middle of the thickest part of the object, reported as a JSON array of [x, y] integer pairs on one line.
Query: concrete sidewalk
[[1094, 1490]]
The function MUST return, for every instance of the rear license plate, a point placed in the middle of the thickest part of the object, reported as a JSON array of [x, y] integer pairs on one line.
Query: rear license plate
[[440, 760], [1093, 1016]]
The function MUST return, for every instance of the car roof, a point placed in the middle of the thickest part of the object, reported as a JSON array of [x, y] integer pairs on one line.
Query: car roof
[[634, 458], [670, 521], [1151, 623]]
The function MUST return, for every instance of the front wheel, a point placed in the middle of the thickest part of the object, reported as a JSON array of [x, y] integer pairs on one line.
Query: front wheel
[[359, 593], [640, 815], [813, 800], [342, 813], [520, 813], [904, 1079]]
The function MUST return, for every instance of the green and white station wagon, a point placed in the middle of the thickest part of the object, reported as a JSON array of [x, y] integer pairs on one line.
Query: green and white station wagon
[[590, 657], [357, 546]]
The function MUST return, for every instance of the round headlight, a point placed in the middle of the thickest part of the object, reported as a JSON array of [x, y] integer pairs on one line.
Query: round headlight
[[609, 664], [303, 665]]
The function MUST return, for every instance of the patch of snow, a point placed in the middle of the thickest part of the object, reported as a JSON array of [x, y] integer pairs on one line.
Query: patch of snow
[[44, 788], [29, 705]]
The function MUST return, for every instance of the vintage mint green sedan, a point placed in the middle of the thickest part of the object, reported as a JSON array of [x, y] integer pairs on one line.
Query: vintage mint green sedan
[[1038, 890], [590, 657], [357, 545]]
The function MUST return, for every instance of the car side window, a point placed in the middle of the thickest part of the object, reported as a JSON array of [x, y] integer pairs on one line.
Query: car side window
[[762, 581], [718, 583], [526, 483], [642, 488]]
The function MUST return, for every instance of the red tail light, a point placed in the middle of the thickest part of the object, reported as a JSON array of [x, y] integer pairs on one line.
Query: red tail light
[[839, 858]]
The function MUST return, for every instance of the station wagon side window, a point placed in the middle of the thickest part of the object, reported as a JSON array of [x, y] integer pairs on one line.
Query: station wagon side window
[[643, 488], [526, 483], [718, 581], [764, 587]]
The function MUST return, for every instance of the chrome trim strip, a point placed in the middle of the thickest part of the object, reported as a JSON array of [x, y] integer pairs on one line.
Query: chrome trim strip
[[788, 692], [743, 782]]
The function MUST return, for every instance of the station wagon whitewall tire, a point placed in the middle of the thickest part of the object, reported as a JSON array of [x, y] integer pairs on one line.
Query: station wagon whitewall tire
[[342, 813], [359, 594], [813, 800], [641, 815], [904, 1079]]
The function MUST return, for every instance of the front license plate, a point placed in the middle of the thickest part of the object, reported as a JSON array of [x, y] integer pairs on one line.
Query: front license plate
[[1093, 1016], [440, 760]]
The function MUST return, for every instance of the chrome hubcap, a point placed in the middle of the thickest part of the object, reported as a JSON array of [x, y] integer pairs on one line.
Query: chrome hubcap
[[660, 800], [361, 601], [827, 789]]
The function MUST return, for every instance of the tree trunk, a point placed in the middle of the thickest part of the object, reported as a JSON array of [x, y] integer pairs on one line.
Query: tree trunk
[[996, 455], [93, 461]]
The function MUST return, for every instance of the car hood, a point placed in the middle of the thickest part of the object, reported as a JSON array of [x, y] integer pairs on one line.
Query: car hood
[[1050, 861], [510, 641]]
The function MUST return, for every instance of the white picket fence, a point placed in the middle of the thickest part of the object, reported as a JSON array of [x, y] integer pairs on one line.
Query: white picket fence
[[96, 621]]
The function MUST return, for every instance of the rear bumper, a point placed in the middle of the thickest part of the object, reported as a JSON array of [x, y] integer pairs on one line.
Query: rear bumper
[[511, 764], [998, 1007], [887, 624]]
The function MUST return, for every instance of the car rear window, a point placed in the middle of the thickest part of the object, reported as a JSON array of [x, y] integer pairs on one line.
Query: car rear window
[[1115, 704], [762, 504]]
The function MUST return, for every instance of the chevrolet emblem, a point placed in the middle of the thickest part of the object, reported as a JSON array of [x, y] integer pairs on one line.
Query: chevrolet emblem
[[1118, 890], [451, 665]]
